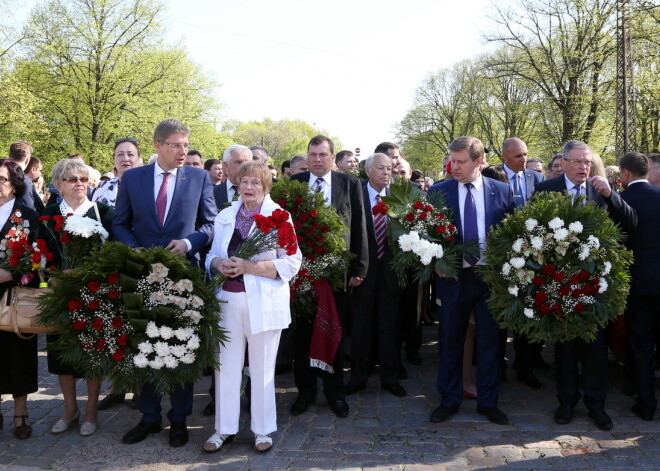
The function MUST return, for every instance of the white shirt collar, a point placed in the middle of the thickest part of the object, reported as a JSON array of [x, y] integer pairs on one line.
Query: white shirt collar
[[160, 171], [570, 185], [373, 192], [510, 173], [327, 177], [477, 183], [640, 180]]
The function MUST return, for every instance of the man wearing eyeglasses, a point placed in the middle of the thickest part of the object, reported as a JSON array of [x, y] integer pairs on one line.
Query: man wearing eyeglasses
[[576, 162], [170, 205]]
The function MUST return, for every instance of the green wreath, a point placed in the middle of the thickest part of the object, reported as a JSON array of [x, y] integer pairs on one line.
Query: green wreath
[[135, 316], [556, 270]]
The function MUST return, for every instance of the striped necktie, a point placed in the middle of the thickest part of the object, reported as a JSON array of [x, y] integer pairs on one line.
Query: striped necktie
[[380, 228]]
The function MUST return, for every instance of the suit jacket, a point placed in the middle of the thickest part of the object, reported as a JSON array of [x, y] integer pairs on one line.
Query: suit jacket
[[190, 216], [616, 207], [27, 200], [498, 202], [532, 178], [220, 195], [346, 198], [643, 241], [390, 279]]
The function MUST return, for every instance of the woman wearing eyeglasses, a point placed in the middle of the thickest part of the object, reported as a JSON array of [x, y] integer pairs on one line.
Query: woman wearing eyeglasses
[[126, 155], [70, 177]]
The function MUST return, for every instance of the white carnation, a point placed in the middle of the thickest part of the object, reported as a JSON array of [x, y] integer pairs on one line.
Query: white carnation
[[85, 227], [152, 330], [166, 332], [531, 224], [157, 363], [602, 285], [593, 242], [162, 349], [537, 242], [408, 241], [575, 227], [560, 234], [506, 269], [140, 360], [513, 290], [584, 252], [145, 347], [517, 245], [555, 224], [529, 313], [517, 262], [608, 267]]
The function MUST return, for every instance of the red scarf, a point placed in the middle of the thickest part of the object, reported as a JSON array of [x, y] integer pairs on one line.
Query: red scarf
[[326, 332]]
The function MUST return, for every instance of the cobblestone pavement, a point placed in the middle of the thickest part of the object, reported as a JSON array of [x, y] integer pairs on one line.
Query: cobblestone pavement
[[382, 432]]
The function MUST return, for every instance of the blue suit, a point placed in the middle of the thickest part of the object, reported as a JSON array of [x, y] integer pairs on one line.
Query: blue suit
[[190, 216], [461, 297]]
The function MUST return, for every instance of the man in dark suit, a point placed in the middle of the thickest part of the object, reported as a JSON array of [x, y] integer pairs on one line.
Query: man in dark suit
[[344, 193], [170, 205], [643, 306], [522, 182], [576, 162], [20, 152], [374, 310], [232, 159], [478, 204]]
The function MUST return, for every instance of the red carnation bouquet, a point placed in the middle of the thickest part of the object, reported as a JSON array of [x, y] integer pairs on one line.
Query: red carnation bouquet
[[78, 236]]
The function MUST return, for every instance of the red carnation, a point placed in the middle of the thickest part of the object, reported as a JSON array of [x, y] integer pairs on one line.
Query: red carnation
[[541, 297], [565, 290], [117, 322], [94, 286], [75, 304], [418, 205], [559, 276], [584, 275], [66, 238], [579, 307], [577, 293], [281, 202], [100, 344], [118, 354], [313, 213], [410, 217], [308, 232], [325, 228], [440, 216], [548, 269], [319, 238], [428, 207], [440, 229], [452, 228], [113, 294], [575, 279], [94, 304], [595, 280], [423, 216], [44, 218], [544, 309], [299, 201], [79, 324], [112, 278], [97, 323], [538, 280], [450, 238], [319, 249], [556, 308], [121, 340]]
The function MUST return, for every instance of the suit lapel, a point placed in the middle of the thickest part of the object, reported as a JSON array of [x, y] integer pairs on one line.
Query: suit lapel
[[179, 192], [367, 211], [337, 190], [489, 197], [452, 201], [529, 184]]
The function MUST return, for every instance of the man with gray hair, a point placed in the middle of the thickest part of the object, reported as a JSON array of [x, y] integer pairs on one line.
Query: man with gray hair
[[298, 164], [654, 169], [576, 161], [259, 153], [232, 159]]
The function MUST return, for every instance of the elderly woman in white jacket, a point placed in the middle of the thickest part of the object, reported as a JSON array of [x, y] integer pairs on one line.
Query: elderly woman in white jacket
[[257, 309]]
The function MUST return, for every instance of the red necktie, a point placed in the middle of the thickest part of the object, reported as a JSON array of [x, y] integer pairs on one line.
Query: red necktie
[[161, 199], [380, 227]]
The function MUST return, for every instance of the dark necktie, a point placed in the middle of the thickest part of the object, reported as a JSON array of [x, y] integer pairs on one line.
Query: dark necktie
[[470, 228], [235, 188], [318, 185], [518, 197], [380, 228], [161, 199], [578, 192]]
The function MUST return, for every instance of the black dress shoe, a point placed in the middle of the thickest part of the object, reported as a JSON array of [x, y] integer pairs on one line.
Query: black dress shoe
[[140, 432], [339, 407], [493, 414], [413, 357], [394, 388], [530, 379], [564, 414], [300, 405], [601, 419], [642, 412], [110, 400], [442, 414], [403, 374], [352, 388], [209, 409], [178, 434]]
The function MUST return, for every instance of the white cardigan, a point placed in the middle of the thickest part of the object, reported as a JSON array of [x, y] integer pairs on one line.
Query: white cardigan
[[268, 299]]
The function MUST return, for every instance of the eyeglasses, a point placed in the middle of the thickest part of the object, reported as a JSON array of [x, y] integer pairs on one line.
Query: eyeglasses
[[184, 147], [579, 161], [126, 139], [76, 179]]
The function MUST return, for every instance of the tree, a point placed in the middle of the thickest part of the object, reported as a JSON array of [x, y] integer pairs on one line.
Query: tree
[[99, 70]]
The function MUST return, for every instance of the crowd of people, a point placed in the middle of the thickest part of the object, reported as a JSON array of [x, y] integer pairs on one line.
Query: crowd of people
[[203, 210]]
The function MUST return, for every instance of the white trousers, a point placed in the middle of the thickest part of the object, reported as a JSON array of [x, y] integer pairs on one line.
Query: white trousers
[[262, 352]]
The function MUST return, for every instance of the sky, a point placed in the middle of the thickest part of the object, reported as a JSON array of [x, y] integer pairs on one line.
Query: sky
[[350, 68]]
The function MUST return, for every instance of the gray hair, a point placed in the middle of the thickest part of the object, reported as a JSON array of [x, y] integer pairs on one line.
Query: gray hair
[[260, 148], [552, 160], [574, 144], [226, 156], [370, 160], [297, 158], [66, 167], [534, 159]]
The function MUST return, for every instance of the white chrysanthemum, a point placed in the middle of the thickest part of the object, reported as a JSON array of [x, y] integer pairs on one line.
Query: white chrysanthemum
[[584, 252], [537, 242], [517, 245], [85, 227], [593, 241], [555, 224], [145, 347], [193, 343], [157, 363], [152, 330], [517, 262], [170, 361], [513, 290], [166, 332], [183, 333], [140, 360], [188, 358], [602, 285], [529, 313], [607, 269], [575, 227], [178, 350], [162, 349], [506, 269], [560, 234], [531, 224]]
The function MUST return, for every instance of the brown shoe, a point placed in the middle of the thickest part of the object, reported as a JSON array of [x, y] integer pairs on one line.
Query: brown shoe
[[23, 431]]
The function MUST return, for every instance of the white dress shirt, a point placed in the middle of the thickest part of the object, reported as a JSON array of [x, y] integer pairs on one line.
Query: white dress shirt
[[326, 187], [523, 184]]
